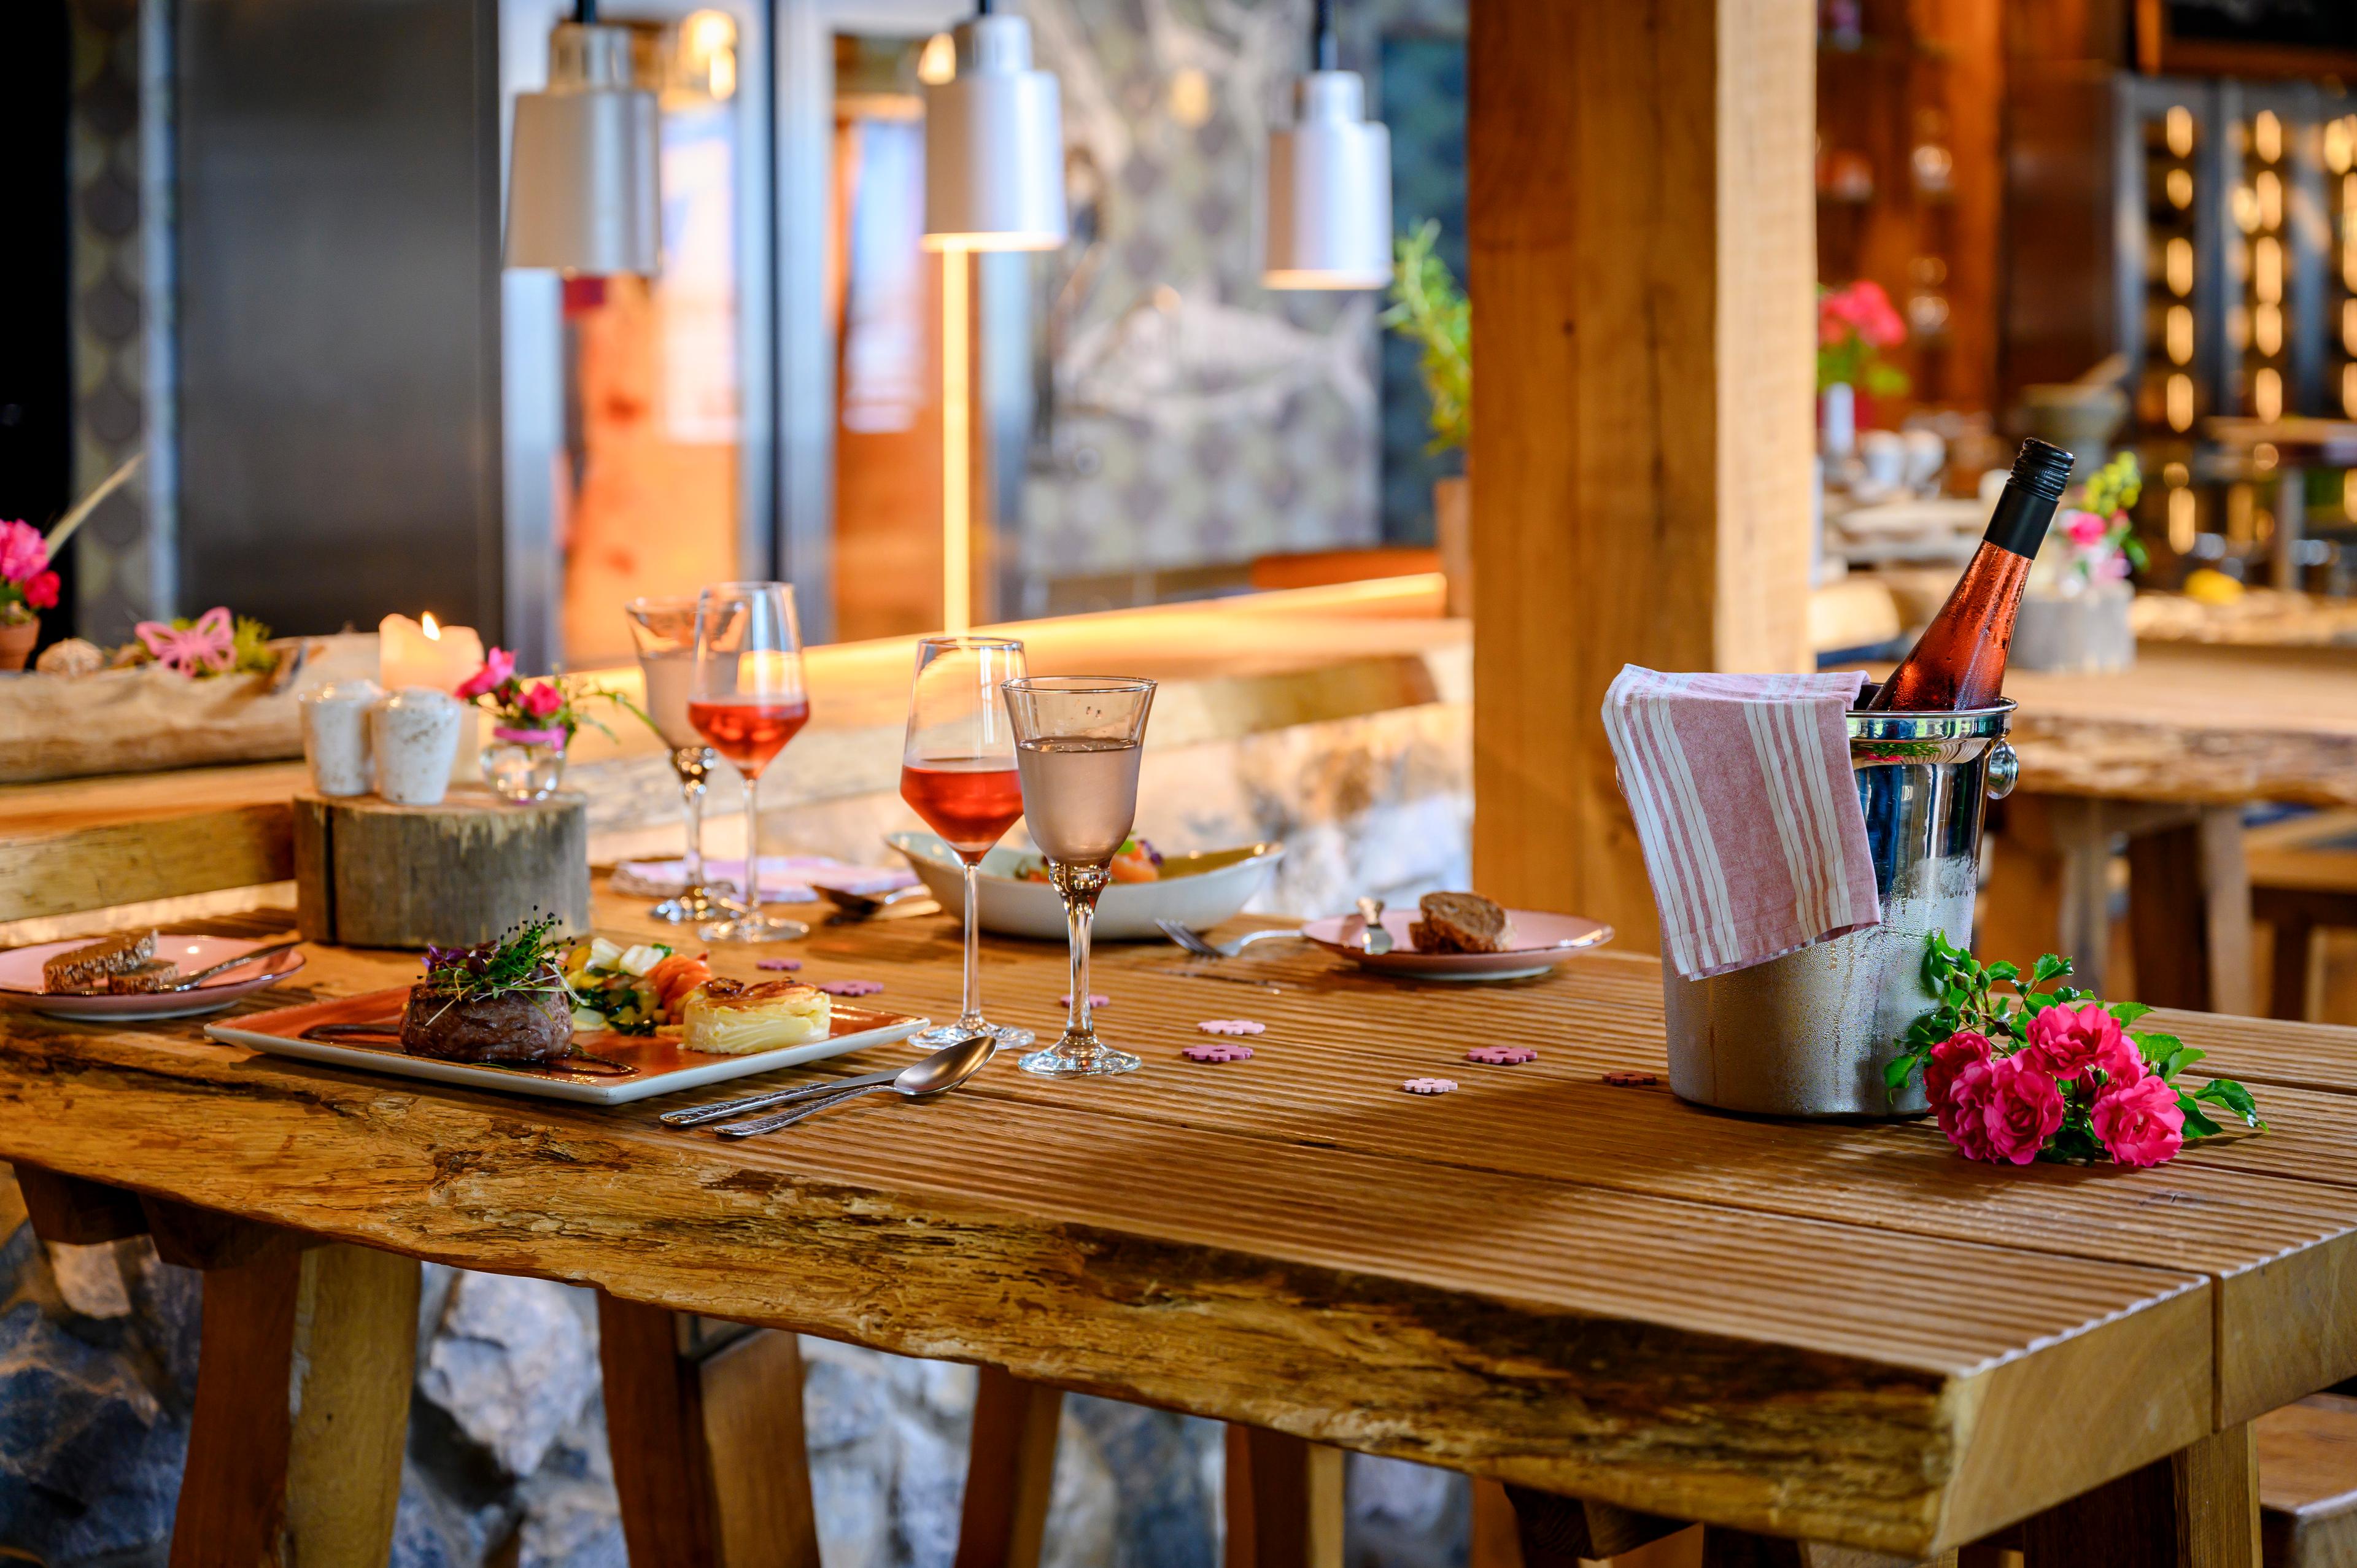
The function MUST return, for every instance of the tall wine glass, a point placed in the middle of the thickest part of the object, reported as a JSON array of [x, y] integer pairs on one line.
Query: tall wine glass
[[747, 699], [957, 771], [1076, 742], [665, 630]]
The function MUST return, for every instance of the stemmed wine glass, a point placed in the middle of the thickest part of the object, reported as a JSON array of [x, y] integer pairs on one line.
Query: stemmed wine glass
[[1076, 742], [747, 699], [957, 771], [665, 630]]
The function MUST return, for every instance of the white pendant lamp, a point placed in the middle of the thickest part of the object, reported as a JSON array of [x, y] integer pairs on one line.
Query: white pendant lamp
[[993, 145], [582, 195], [1329, 181]]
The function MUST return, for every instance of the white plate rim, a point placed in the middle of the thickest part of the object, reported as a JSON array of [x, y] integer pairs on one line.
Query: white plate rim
[[1441, 966], [211, 997], [466, 1075]]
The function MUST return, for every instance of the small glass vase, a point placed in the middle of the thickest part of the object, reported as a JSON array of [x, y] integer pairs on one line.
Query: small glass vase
[[525, 764]]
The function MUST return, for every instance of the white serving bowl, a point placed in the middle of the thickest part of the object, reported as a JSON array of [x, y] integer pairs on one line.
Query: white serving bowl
[[1197, 890]]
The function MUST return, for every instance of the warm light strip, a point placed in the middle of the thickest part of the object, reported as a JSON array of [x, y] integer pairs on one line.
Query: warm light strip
[[957, 437]]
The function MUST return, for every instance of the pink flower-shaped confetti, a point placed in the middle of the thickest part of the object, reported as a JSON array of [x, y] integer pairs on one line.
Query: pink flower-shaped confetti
[[1430, 1086], [1631, 1079], [1502, 1056], [851, 987], [1097, 999], [1216, 1053], [1232, 1027], [782, 963]]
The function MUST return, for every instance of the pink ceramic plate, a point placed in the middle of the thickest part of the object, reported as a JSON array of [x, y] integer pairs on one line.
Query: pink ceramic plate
[[20, 979], [1540, 941]]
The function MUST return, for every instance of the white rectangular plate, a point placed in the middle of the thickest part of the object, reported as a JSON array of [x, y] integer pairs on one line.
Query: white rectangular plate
[[667, 1070]]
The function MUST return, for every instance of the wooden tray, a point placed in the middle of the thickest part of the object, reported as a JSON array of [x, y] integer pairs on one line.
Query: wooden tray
[[662, 1067]]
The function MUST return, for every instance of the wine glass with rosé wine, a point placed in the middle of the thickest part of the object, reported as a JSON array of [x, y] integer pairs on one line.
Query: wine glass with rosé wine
[[747, 699], [1076, 745], [957, 772]]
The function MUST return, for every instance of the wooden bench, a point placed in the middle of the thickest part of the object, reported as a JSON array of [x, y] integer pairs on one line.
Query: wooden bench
[[2307, 1483], [2303, 879]]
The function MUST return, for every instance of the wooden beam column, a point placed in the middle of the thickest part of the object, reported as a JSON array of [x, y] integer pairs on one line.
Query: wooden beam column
[[1640, 215]]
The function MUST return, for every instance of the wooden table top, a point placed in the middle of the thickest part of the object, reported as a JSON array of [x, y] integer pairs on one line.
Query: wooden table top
[[2196, 723], [1838, 1332]]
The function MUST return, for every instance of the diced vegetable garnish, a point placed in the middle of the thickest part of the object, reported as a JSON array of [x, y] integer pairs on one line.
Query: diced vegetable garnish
[[641, 958]]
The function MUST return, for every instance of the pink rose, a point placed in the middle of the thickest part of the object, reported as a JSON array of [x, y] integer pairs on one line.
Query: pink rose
[[499, 665], [1949, 1058], [23, 553], [2140, 1122], [2023, 1109], [1964, 1111], [41, 590], [541, 699], [2065, 1041], [2085, 528]]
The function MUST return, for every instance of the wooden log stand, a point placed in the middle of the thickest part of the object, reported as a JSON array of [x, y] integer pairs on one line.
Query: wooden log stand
[[371, 873]]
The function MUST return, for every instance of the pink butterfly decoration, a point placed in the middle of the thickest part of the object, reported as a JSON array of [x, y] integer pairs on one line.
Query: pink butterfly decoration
[[208, 646]]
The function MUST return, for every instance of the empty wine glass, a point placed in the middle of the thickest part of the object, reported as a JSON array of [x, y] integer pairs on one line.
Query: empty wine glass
[[747, 699], [665, 630], [957, 771], [1077, 744]]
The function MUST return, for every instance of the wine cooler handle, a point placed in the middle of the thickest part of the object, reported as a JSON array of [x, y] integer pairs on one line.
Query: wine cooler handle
[[2004, 770]]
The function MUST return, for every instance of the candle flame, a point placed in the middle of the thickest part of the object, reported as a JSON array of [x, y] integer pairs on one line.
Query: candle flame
[[432, 628]]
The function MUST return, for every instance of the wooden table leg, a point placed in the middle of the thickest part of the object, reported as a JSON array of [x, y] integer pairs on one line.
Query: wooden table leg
[[706, 1431], [1496, 1534], [2190, 914], [1283, 1501], [2196, 1508], [1558, 1533], [302, 1408], [68, 1211], [2050, 888], [1010, 1471]]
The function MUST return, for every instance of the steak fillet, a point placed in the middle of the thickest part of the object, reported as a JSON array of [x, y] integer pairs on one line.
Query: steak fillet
[[521, 1027]]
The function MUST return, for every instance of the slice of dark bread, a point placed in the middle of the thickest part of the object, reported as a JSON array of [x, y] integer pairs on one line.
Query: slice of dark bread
[[155, 974], [84, 967], [1457, 922]]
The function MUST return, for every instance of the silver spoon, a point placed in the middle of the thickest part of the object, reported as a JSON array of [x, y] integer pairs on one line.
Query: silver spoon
[[1373, 940], [193, 981], [944, 1070], [849, 905]]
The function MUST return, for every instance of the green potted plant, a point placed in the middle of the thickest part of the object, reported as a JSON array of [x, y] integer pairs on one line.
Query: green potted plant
[[1431, 311]]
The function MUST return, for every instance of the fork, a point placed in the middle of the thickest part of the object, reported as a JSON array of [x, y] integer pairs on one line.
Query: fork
[[1196, 943]]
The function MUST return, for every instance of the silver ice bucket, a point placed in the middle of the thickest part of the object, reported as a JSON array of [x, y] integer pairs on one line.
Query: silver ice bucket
[[1809, 1034]]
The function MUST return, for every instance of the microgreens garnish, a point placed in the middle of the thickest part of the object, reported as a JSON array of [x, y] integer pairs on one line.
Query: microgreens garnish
[[524, 958]]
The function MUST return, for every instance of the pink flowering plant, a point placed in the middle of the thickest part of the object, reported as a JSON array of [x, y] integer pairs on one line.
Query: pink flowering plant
[[2052, 1074], [27, 585], [2098, 541], [1855, 324], [545, 712]]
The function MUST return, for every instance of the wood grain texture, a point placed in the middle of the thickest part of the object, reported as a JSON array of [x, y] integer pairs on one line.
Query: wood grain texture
[[371, 873], [709, 1460], [2307, 1483], [1294, 1516], [1010, 1472], [1529, 1306], [100, 842], [2194, 722], [302, 1404], [1639, 219]]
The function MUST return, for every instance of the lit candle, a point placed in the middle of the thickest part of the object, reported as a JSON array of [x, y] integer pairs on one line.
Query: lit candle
[[425, 653]]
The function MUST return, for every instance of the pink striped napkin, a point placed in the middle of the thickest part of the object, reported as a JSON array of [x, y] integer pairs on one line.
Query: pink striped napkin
[[1746, 810]]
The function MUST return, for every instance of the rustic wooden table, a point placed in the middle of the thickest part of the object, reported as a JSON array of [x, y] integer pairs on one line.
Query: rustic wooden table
[[1842, 1332], [2166, 753]]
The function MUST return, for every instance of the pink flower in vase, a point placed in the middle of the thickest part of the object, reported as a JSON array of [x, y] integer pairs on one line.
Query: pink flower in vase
[[2140, 1122], [541, 699], [2085, 528], [499, 665], [2066, 1041], [2024, 1108], [23, 553]]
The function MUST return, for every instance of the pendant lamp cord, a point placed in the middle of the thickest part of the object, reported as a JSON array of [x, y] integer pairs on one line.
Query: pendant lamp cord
[[984, 7], [585, 12], [1323, 54]]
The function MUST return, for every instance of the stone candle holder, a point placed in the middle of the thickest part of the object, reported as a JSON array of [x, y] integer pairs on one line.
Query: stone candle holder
[[414, 734], [336, 737]]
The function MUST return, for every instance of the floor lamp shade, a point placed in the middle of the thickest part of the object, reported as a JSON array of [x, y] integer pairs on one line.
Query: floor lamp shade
[[1329, 190], [582, 194], [994, 147]]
